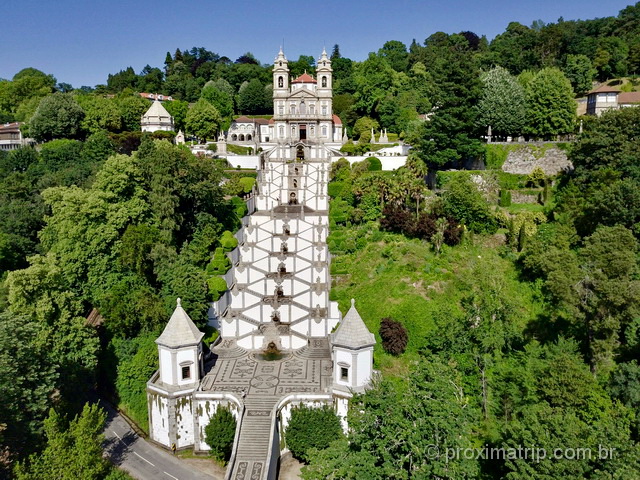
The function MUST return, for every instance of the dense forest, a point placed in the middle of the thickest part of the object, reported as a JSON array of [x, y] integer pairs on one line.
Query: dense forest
[[505, 324]]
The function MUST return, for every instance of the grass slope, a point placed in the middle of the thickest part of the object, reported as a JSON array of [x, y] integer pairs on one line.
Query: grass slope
[[403, 279]]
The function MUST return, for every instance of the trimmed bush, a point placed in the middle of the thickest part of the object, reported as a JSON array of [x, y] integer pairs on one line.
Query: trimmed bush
[[217, 286], [228, 241], [311, 428], [220, 432], [349, 148], [239, 206], [219, 264], [375, 164], [394, 336]]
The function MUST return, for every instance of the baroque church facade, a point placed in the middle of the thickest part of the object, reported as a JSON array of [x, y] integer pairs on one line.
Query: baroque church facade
[[277, 302], [302, 111]]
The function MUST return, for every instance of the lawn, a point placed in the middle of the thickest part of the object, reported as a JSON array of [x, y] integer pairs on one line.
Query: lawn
[[403, 279]]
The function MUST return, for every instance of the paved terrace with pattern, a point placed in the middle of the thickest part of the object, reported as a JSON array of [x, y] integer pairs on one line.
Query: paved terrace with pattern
[[262, 383]]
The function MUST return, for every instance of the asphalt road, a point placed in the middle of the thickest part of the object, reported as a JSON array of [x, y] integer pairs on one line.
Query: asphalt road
[[139, 458]]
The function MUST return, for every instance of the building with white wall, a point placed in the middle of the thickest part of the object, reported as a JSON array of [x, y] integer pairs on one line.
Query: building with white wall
[[157, 119]]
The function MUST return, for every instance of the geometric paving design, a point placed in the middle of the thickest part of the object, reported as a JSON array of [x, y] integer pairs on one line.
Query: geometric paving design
[[262, 383]]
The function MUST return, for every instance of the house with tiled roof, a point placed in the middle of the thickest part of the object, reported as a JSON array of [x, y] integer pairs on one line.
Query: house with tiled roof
[[156, 96], [607, 97], [11, 137], [249, 131]]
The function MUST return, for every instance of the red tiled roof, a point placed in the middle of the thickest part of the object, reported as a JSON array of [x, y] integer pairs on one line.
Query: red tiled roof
[[271, 121], [9, 127], [156, 96], [336, 120], [305, 78], [629, 97], [605, 89], [245, 119]]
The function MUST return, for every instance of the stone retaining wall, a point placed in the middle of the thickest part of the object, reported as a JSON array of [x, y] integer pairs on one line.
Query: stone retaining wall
[[524, 160]]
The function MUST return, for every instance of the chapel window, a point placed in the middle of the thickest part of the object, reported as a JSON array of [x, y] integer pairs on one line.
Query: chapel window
[[186, 373], [344, 373], [324, 81], [280, 82]]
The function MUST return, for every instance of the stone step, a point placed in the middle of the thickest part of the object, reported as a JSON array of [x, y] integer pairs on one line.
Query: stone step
[[255, 439], [320, 353]]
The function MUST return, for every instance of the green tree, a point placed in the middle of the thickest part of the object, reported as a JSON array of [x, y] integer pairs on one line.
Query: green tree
[[28, 83], [563, 406], [503, 105], [610, 59], [71, 453], [100, 114], [131, 106], [451, 134], [606, 184], [395, 52], [203, 120], [57, 116], [580, 72], [305, 63], [134, 370], [551, 107], [393, 430], [515, 48], [126, 78], [311, 427], [28, 381], [463, 201], [220, 432], [220, 99], [373, 78], [252, 98], [179, 111], [362, 129]]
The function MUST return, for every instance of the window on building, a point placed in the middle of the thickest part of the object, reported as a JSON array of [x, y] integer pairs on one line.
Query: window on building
[[292, 109], [281, 131], [324, 110], [186, 373], [281, 110], [280, 82], [324, 81], [324, 131], [344, 374]]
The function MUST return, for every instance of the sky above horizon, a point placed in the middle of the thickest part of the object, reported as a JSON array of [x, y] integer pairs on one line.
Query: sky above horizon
[[80, 42]]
